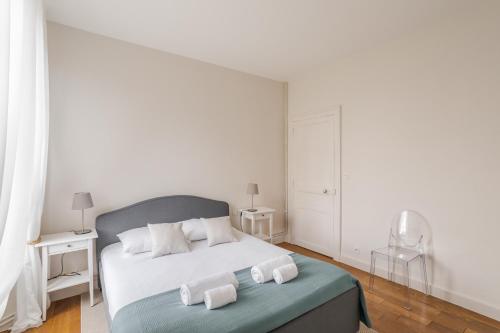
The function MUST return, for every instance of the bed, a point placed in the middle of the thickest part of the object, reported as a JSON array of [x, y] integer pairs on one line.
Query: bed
[[135, 283]]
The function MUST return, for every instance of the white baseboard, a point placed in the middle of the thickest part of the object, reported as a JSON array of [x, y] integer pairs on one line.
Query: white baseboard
[[460, 299], [7, 322]]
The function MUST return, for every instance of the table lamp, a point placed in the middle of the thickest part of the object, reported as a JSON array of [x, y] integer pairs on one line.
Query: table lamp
[[82, 200], [252, 189]]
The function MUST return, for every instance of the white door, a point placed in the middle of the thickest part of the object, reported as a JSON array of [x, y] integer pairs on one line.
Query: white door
[[312, 193]]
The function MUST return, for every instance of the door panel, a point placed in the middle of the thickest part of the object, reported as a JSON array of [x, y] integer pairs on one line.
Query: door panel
[[312, 163]]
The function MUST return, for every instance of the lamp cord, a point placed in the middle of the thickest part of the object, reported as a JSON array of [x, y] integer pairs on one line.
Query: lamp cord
[[62, 270]]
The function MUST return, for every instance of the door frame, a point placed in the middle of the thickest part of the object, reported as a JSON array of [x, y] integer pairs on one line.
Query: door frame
[[336, 113]]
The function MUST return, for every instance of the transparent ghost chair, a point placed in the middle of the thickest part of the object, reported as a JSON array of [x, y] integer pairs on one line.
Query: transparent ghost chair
[[408, 238]]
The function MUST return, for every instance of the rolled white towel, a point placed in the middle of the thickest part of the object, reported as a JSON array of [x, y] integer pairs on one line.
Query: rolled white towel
[[263, 272], [192, 292], [285, 273], [220, 296]]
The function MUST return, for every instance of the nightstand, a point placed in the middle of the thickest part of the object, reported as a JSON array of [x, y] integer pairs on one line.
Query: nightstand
[[65, 242], [262, 214]]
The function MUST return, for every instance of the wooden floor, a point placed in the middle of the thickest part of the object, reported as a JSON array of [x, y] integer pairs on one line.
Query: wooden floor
[[62, 317], [428, 313]]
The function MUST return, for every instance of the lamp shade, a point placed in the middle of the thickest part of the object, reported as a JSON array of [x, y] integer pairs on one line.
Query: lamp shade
[[82, 200], [252, 188]]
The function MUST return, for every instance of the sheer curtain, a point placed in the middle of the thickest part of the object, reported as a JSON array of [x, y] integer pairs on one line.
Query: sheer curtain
[[23, 154]]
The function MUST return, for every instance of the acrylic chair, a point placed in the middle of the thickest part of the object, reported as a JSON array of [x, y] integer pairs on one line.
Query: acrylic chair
[[408, 237]]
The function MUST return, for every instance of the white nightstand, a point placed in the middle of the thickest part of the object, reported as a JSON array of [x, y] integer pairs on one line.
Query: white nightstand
[[64, 242], [262, 214]]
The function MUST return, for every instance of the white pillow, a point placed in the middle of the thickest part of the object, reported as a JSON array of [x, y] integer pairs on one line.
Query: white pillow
[[219, 230], [167, 238], [135, 240], [194, 229], [138, 240]]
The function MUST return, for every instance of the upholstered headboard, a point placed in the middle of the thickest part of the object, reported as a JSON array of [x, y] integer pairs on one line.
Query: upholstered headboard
[[168, 209]]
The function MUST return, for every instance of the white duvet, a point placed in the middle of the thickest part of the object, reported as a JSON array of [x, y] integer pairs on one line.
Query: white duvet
[[129, 278]]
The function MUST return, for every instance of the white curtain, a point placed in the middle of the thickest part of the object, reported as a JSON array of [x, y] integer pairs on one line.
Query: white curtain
[[23, 154]]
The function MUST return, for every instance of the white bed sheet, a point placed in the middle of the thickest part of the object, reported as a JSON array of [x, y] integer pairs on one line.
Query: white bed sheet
[[129, 278]]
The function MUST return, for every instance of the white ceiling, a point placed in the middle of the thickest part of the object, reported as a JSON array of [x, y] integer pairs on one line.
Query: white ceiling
[[272, 38]]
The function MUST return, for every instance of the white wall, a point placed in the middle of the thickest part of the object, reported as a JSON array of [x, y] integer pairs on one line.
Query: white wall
[[421, 130], [130, 123]]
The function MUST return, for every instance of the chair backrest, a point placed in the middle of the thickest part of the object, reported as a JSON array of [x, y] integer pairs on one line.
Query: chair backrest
[[409, 229]]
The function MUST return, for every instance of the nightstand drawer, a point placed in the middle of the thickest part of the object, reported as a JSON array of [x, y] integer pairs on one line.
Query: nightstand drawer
[[262, 216], [67, 247]]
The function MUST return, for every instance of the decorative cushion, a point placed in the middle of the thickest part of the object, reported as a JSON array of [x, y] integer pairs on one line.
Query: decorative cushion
[[167, 238], [219, 230]]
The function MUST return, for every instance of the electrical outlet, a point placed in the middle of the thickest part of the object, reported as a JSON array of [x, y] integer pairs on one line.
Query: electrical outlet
[[356, 250]]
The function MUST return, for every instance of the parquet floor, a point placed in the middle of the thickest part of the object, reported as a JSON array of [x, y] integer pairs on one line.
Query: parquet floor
[[63, 316], [428, 314]]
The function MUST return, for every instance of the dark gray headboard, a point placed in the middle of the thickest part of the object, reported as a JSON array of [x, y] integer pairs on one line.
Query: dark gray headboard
[[158, 210]]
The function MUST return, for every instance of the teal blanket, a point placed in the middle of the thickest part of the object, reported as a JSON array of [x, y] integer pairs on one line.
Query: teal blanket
[[259, 308]]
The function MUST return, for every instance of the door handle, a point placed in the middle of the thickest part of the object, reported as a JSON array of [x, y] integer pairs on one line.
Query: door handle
[[325, 191]]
